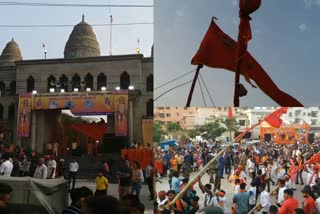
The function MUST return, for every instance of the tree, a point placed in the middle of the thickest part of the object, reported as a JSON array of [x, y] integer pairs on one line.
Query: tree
[[173, 127], [209, 130], [232, 125], [158, 132]]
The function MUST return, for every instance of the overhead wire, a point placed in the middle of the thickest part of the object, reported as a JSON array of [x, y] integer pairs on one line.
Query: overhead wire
[[207, 90], [204, 100], [54, 26], [178, 86], [38, 4], [174, 79]]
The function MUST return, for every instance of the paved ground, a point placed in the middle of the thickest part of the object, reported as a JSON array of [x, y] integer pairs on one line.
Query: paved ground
[[227, 187], [113, 190]]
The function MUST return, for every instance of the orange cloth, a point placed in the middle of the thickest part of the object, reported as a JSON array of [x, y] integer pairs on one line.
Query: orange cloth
[[218, 50], [309, 205], [288, 206]]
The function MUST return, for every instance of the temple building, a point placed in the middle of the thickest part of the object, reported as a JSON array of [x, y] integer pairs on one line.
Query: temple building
[[82, 69]]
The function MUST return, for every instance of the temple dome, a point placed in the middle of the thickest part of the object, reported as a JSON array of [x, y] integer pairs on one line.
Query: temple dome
[[10, 54], [82, 42]]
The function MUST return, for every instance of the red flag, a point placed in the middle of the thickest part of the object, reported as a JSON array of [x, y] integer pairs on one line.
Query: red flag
[[230, 114], [218, 50], [246, 7], [274, 119]]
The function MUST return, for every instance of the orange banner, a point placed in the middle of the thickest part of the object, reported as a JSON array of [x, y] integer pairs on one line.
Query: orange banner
[[80, 103], [143, 156], [121, 113], [24, 115], [147, 132], [287, 134]]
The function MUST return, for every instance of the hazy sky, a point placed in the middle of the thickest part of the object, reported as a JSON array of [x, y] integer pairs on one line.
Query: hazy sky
[[30, 40], [285, 42]]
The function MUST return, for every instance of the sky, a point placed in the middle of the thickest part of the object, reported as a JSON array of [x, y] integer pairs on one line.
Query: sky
[[285, 42], [30, 40]]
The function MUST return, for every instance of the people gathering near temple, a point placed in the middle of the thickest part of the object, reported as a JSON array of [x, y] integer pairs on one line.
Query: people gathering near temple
[[253, 170]]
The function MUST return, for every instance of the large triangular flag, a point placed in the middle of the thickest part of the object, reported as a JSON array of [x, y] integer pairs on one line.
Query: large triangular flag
[[274, 119], [218, 50]]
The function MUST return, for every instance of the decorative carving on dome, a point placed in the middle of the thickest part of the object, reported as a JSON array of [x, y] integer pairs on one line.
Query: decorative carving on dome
[[82, 42], [10, 54]]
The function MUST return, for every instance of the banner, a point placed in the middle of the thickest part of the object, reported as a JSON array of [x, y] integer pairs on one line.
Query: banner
[[121, 113], [147, 132], [79, 103], [287, 134], [24, 115]]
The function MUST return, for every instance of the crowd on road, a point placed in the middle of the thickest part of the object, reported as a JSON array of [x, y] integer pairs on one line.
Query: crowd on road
[[252, 169], [131, 177]]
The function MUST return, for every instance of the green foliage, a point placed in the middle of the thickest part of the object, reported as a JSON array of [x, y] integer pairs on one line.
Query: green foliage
[[231, 124], [173, 127], [158, 132], [208, 130]]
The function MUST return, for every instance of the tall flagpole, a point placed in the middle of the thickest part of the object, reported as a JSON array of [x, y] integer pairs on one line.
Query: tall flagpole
[[44, 51], [111, 20]]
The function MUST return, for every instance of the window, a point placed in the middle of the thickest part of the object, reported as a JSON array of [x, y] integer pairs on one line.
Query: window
[[2, 89], [30, 84], [313, 114], [150, 83], [150, 108], [161, 115], [64, 81], [124, 80], [290, 114], [1, 112], [51, 82], [76, 82], [11, 112], [101, 81], [313, 122], [13, 88], [168, 115], [168, 108], [242, 122], [89, 81]]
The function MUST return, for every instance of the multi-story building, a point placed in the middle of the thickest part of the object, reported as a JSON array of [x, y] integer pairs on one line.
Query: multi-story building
[[81, 68]]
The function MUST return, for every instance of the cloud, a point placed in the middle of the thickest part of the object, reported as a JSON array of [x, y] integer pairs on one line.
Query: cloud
[[303, 27], [234, 3], [309, 3], [180, 13]]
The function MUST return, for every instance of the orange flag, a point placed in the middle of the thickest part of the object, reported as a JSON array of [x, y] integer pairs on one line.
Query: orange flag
[[246, 7], [274, 119], [218, 50]]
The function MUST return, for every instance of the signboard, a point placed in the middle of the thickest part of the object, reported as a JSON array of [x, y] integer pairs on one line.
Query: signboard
[[24, 115], [147, 131], [121, 113], [79, 103]]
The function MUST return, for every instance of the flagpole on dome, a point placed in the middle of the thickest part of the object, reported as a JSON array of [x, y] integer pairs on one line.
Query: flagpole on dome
[[44, 51], [111, 21]]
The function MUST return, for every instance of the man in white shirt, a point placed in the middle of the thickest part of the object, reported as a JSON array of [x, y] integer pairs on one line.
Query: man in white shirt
[[282, 188], [251, 167], [41, 170], [52, 167], [6, 167], [252, 195], [73, 169], [264, 199]]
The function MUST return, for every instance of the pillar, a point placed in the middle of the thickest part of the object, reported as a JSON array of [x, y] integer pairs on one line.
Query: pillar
[[33, 129], [130, 122]]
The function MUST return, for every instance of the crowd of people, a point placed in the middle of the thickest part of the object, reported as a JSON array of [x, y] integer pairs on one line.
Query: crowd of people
[[252, 171]]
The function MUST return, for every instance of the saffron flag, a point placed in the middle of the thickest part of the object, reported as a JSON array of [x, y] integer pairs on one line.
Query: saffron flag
[[274, 119], [246, 7], [230, 114], [218, 50]]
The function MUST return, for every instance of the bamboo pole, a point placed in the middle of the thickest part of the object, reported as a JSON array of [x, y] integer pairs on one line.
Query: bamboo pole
[[312, 159], [208, 165]]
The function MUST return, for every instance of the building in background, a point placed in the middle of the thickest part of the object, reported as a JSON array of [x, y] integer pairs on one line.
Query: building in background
[[81, 69]]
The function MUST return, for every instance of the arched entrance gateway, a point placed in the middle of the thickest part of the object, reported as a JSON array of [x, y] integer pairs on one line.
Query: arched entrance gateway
[[41, 121]]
